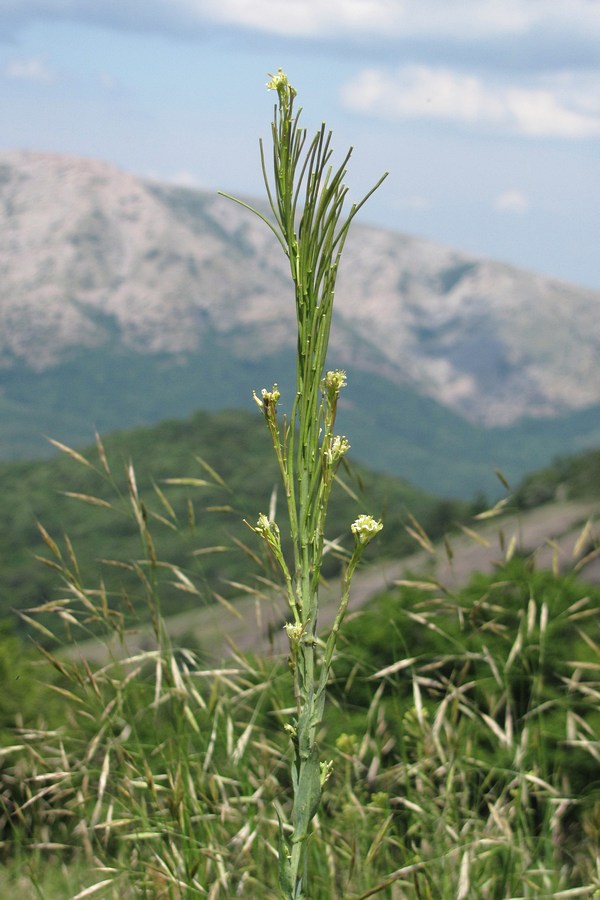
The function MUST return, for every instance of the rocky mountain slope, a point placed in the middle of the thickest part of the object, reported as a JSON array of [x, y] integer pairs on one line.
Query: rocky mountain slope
[[91, 255], [124, 302]]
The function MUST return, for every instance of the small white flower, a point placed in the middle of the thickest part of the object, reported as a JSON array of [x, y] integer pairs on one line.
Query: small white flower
[[277, 81], [293, 631], [339, 447], [365, 528], [334, 381], [263, 525], [281, 84]]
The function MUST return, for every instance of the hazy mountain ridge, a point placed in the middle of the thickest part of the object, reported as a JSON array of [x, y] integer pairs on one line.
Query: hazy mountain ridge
[[94, 257]]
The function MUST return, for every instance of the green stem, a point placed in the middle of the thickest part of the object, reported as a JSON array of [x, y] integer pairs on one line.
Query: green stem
[[313, 240]]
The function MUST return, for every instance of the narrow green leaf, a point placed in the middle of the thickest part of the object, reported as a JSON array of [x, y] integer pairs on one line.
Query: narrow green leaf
[[307, 800]]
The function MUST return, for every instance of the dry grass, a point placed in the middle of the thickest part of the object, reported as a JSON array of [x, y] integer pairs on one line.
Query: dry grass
[[167, 775]]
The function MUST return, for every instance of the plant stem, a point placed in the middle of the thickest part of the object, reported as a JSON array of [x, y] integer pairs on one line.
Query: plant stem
[[307, 450]]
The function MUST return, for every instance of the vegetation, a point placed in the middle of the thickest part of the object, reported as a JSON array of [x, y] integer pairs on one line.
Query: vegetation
[[463, 731], [457, 755], [207, 513], [575, 477], [421, 441]]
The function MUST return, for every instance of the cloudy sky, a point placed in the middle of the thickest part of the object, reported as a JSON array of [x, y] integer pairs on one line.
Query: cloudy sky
[[485, 112]]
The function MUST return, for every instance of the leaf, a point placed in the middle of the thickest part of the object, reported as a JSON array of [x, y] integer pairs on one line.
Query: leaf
[[308, 797], [379, 837], [190, 717], [285, 875]]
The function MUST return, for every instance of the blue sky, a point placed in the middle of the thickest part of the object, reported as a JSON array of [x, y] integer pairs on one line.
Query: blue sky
[[485, 112]]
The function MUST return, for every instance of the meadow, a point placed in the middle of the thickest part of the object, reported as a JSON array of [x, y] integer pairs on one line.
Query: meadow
[[462, 724]]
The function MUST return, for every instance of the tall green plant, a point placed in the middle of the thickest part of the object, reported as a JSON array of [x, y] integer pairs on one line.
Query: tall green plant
[[307, 198]]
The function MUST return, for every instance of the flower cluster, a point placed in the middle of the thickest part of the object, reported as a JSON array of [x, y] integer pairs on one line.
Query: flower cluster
[[281, 84], [336, 379], [269, 531], [333, 382], [338, 448], [294, 631], [365, 528]]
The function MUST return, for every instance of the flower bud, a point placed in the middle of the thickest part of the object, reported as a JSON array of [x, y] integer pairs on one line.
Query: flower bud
[[268, 404]]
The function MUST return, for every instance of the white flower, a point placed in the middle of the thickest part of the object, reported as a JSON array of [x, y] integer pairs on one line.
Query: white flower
[[281, 84], [334, 381], [365, 528], [263, 526], [277, 81], [339, 447], [269, 531], [294, 631]]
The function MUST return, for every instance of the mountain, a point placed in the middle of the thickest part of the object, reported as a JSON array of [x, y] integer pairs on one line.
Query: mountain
[[125, 301]]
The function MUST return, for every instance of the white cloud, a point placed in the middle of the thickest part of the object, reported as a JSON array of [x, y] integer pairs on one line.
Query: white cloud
[[512, 201], [394, 18], [30, 69], [403, 18], [440, 19], [555, 107]]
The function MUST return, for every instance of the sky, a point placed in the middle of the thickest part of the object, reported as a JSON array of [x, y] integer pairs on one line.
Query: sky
[[486, 113]]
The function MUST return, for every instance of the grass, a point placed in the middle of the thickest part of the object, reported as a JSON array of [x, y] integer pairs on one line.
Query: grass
[[160, 775]]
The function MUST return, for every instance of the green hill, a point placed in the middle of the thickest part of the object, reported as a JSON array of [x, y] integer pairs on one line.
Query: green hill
[[575, 477], [185, 517], [392, 429]]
